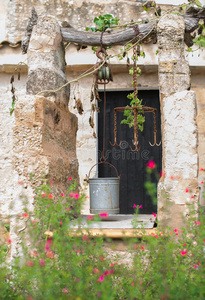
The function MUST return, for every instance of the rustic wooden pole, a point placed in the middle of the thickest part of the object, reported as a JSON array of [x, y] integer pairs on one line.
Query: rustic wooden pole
[[147, 33]]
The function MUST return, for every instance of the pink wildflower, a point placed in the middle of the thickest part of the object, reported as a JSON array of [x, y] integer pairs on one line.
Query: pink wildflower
[[201, 169], [107, 272], [151, 164], [175, 230], [103, 215], [198, 223], [192, 197], [96, 271], [171, 177], [101, 278], [25, 215], [141, 206], [134, 206], [51, 181], [41, 262], [30, 263], [65, 291], [67, 209], [184, 252], [70, 178], [62, 195], [50, 196], [61, 223], [196, 266], [85, 238], [111, 264], [76, 196], [89, 217], [184, 244], [187, 190], [48, 244], [202, 182], [154, 215], [142, 248], [9, 241], [132, 284], [71, 195], [43, 194], [162, 173]]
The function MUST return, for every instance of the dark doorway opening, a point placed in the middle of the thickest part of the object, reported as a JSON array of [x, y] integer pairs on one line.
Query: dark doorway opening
[[130, 165]]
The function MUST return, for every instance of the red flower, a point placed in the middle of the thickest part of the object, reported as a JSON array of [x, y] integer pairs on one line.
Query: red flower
[[89, 217], [50, 254], [103, 215], [25, 215], [142, 248], [132, 284], [71, 195], [76, 196], [51, 181], [154, 215], [62, 195], [65, 291], [184, 252], [187, 190], [151, 164], [85, 238], [202, 182], [134, 206], [48, 244], [30, 263], [141, 206], [70, 178], [95, 271], [171, 177], [101, 278], [43, 194], [50, 196], [201, 169], [41, 262]]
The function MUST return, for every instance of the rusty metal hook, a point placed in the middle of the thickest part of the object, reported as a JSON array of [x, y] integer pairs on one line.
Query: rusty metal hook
[[136, 148], [155, 141], [101, 50], [115, 143]]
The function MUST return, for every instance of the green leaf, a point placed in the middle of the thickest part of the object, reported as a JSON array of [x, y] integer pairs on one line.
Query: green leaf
[[189, 49], [108, 16], [146, 9], [198, 3]]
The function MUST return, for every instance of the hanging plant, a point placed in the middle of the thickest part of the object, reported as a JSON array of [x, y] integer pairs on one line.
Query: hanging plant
[[135, 101]]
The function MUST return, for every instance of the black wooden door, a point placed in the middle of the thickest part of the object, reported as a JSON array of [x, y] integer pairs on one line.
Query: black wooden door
[[130, 165]]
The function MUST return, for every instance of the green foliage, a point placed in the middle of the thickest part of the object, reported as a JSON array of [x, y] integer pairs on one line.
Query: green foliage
[[129, 115], [129, 120], [59, 265], [103, 22]]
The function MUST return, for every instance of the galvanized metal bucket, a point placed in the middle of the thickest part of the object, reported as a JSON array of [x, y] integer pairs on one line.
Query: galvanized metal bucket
[[104, 194]]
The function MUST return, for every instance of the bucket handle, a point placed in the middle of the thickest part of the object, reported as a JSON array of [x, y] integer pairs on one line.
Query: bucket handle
[[102, 162]]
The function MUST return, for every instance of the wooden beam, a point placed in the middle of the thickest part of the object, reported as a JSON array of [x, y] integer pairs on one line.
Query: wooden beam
[[147, 32]]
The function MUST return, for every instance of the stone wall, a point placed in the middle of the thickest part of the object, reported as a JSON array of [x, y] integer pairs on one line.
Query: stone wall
[[179, 184]]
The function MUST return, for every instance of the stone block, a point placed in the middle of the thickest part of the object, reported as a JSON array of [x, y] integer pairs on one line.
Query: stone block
[[46, 62], [179, 185]]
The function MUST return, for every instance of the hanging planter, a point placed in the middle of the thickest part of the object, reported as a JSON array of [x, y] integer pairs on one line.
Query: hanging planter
[[104, 193]]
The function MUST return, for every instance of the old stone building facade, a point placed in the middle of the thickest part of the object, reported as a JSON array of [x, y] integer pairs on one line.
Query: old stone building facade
[[46, 135]]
